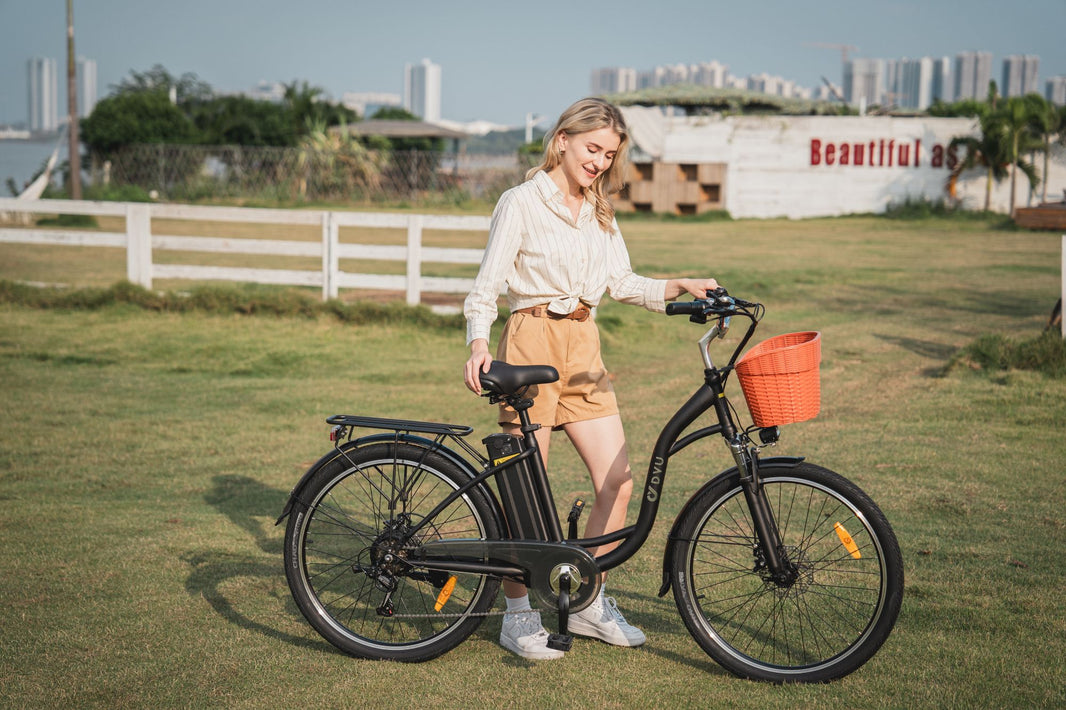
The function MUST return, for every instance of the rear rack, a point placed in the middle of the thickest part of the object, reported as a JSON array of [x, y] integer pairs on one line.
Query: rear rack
[[348, 420]]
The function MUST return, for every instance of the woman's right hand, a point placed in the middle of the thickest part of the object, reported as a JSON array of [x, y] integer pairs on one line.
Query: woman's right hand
[[479, 362]]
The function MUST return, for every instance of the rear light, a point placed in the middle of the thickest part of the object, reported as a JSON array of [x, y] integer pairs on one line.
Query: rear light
[[337, 432]]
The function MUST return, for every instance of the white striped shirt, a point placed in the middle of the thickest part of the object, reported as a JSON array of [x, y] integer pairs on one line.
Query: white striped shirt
[[544, 257]]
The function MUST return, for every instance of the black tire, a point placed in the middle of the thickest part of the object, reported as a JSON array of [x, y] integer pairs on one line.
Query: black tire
[[827, 623], [354, 513]]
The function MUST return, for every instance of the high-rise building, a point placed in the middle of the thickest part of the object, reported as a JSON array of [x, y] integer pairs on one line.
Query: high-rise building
[[711, 74], [86, 82], [973, 72], [1019, 75], [42, 83], [421, 90], [614, 80], [914, 83], [1055, 90], [942, 80], [765, 83], [864, 81]]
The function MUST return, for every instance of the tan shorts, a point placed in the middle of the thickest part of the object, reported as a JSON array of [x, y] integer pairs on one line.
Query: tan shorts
[[572, 347]]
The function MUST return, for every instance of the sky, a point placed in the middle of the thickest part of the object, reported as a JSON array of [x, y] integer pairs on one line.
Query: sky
[[501, 60]]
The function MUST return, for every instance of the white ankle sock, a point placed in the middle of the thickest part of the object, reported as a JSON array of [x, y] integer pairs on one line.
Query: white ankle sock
[[519, 604]]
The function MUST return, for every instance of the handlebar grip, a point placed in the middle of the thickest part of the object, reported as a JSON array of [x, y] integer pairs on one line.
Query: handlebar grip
[[684, 308]]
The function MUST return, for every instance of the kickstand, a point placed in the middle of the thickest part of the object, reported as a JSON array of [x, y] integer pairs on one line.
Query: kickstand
[[562, 641]]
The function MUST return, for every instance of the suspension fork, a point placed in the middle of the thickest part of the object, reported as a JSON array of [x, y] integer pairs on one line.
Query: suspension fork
[[767, 535]]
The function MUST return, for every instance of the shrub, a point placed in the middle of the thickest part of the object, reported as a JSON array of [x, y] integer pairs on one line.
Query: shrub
[[1045, 353]]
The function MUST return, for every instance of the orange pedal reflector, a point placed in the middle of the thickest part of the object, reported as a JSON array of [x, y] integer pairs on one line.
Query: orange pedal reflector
[[846, 541], [445, 592]]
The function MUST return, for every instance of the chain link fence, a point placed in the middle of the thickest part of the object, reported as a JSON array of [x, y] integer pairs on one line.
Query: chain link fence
[[349, 174]]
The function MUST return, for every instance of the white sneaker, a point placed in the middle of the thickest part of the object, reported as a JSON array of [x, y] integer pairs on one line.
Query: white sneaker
[[523, 634], [602, 620]]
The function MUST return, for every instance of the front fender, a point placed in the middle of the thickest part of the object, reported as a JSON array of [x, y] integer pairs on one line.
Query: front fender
[[444, 451], [668, 554]]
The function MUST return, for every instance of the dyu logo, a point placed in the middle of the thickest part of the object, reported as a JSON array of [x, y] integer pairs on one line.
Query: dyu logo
[[655, 482]]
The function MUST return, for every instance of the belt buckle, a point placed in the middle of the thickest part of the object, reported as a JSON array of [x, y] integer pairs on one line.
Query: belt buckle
[[581, 313]]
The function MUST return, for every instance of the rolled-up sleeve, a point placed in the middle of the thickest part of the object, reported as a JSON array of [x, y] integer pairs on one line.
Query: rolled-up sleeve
[[628, 287], [497, 267]]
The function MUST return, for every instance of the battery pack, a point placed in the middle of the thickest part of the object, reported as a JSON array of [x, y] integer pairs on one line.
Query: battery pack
[[525, 519]]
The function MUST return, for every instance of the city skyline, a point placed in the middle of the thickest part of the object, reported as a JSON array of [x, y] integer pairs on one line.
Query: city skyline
[[501, 62]]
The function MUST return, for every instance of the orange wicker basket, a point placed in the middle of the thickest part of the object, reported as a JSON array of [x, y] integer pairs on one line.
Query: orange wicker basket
[[779, 378]]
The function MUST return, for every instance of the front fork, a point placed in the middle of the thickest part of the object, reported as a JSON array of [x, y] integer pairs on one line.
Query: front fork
[[768, 538]]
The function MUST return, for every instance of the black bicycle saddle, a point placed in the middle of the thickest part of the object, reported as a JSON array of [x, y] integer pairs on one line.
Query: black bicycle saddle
[[507, 379]]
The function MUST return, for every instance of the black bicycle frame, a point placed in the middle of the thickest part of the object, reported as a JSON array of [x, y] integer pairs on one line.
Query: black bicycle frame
[[710, 396]]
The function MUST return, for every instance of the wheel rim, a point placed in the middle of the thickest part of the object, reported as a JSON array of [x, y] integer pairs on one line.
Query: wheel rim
[[817, 620], [355, 525]]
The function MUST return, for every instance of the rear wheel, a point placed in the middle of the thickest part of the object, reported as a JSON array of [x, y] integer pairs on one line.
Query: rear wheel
[[346, 546], [836, 610]]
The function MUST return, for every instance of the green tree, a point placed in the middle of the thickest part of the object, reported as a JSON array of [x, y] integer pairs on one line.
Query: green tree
[[240, 120], [135, 117], [987, 151], [187, 87], [1048, 122], [1015, 120], [307, 108]]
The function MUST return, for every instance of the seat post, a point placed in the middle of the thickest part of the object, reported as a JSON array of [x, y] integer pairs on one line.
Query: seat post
[[540, 473]]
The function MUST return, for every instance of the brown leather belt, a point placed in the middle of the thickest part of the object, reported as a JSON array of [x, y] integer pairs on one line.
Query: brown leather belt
[[580, 314]]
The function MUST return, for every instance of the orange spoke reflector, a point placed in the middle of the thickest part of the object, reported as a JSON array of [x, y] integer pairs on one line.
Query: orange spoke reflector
[[445, 592], [846, 541]]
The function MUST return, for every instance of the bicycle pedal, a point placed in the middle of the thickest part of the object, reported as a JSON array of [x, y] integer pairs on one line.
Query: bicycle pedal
[[572, 518], [560, 642]]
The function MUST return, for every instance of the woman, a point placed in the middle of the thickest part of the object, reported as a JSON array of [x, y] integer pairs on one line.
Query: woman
[[555, 243]]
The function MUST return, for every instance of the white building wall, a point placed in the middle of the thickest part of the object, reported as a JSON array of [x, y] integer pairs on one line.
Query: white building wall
[[782, 166]]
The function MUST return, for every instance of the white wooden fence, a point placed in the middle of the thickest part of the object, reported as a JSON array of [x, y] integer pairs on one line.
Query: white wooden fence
[[140, 243]]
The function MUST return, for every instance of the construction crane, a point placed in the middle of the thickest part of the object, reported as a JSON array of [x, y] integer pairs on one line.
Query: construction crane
[[844, 48], [834, 91]]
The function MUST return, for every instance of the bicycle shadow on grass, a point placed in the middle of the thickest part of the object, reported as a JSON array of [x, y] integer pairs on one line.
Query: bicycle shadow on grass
[[251, 506], [924, 348]]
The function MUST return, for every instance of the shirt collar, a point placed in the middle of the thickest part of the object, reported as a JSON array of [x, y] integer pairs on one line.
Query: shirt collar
[[553, 198]]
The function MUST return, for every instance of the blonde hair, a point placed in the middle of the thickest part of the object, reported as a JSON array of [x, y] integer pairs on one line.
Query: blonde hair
[[581, 117]]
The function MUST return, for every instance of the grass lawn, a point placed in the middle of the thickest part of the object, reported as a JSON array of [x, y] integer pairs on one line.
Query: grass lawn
[[144, 457]]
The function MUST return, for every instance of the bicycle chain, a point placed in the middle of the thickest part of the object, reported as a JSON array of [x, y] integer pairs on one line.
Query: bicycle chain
[[481, 613]]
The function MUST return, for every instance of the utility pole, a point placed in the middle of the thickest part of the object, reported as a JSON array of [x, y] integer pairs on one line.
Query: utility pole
[[72, 105]]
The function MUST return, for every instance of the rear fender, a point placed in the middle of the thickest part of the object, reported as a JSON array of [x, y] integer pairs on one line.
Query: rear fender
[[419, 441], [668, 555]]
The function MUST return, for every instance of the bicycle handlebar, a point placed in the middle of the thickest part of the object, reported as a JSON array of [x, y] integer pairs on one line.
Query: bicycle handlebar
[[717, 303]]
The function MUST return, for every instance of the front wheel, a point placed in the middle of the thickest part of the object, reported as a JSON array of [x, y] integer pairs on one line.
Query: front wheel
[[837, 607]]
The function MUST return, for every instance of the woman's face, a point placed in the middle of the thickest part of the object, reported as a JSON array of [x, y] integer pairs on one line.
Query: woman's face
[[586, 155]]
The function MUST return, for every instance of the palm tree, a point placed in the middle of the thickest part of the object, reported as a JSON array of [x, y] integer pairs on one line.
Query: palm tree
[[1015, 118], [1047, 123], [988, 151]]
